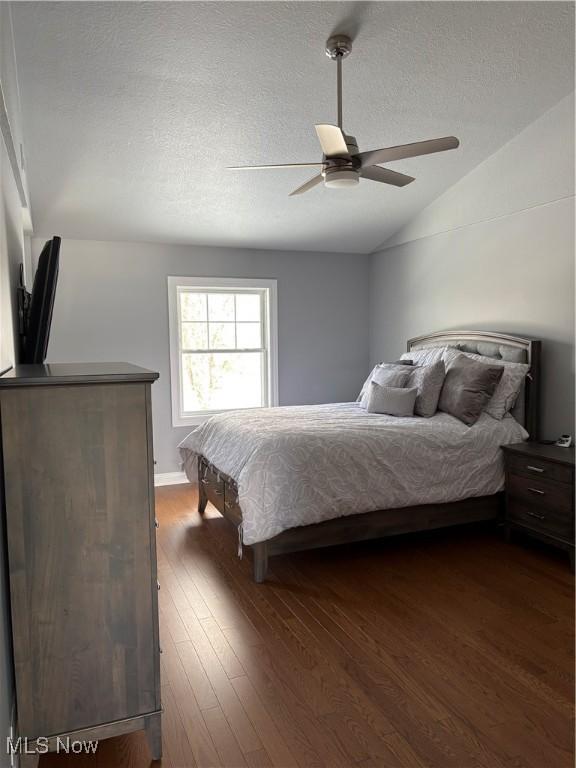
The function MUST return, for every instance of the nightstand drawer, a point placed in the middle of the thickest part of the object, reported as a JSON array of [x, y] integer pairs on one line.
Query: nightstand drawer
[[544, 520], [539, 468], [541, 492]]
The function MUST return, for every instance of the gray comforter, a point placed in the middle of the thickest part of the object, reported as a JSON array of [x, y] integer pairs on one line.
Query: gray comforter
[[305, 464]]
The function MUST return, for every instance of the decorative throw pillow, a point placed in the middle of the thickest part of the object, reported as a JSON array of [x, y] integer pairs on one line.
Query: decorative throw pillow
[[468, 387], [373, 371], [509, 386], [395, 401], [428, 379], [392, 376]]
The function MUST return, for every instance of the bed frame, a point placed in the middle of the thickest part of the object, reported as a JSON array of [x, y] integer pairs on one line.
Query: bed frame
[[222, 491]]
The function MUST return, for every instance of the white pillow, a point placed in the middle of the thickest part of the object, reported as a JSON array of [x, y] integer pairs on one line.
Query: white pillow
[[451, 353], [426, 356], [395, 401], [509, 386]]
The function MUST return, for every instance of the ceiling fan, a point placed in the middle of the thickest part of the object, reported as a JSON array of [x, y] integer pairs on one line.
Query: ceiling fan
[[342, 164]]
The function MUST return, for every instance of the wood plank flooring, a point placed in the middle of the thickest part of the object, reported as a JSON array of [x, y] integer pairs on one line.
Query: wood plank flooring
[[449, 649]]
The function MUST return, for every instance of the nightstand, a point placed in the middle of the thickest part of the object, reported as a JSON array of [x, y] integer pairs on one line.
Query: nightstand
[[540, 493]]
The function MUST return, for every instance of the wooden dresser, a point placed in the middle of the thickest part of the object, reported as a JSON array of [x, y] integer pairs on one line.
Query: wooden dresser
[[540, 492], [78, 495]]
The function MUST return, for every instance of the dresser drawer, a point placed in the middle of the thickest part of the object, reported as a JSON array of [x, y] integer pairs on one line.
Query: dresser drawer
[[539, 468], [545, 520], [541, 492]]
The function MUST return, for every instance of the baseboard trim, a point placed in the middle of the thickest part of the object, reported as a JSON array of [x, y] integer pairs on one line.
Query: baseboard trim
[[170, 478]]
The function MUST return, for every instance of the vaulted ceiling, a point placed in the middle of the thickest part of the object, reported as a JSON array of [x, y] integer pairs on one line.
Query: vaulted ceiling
[[132, 111]]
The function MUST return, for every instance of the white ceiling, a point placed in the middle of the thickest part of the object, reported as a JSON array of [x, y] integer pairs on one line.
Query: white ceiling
[[132, 111]]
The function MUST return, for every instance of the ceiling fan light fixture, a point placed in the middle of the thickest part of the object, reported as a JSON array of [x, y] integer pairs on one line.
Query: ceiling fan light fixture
[[340, 178]]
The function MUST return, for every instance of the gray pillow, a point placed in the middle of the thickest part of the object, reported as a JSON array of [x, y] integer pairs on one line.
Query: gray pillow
[[395, 401], [364, 389], [468, 387], [429, 380], [391, 377], [508, 388], [386, 377]]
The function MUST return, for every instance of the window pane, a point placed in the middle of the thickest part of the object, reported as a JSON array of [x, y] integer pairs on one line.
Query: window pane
[[248, 336], [248, 306], [222, 336], [194, 335], [192, 305], [221, 306], [222, 380]]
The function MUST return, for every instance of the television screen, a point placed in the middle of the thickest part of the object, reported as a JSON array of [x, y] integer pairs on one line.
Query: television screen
[[38, 314]]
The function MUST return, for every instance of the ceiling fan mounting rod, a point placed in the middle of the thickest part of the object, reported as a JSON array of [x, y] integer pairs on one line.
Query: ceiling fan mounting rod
[[338, 47], [339, 88]]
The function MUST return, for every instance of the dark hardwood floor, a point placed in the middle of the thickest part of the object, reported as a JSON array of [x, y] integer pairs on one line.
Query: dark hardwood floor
[[450, 649]]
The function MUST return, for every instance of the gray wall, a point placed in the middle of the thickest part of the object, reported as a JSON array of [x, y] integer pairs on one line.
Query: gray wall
[[495, 252], [112, 304]]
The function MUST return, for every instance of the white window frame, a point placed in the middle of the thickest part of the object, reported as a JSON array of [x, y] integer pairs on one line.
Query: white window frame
[[270, 328]]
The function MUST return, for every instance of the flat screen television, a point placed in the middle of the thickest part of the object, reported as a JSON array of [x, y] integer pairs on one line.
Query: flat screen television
[[35, 309]]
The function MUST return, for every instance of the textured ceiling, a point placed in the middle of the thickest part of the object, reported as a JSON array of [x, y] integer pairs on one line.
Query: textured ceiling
[[132, 111]]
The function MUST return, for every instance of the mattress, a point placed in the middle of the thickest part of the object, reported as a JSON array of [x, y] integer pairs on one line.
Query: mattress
[[306, 464]]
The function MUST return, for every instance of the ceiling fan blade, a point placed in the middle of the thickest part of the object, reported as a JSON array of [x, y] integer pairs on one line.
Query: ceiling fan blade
[[385, 175], [308, 185], [265, 167], [332, 140], [386, 155]]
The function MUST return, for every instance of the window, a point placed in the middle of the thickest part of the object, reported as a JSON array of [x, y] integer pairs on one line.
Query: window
[[222, 346]]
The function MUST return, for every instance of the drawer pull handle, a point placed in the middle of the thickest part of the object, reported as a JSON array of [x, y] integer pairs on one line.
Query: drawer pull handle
[[535, 469], [535, 514], [158, 586], [536, 490], [156, 524]]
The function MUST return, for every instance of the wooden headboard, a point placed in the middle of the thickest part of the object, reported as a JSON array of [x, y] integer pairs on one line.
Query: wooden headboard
[[500, 346]]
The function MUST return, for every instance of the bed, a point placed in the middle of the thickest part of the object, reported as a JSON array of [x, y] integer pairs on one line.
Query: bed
[[303, 477]]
